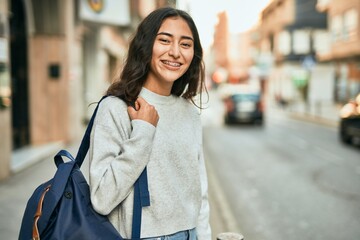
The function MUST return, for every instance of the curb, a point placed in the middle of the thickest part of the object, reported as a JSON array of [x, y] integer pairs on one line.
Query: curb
[[222, 220], [313, 119], [219, 200], [28, 156]]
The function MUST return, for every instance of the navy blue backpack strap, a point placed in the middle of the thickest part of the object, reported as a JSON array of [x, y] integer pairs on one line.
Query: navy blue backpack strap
[[141, 199], [141, 192], [58, 185], [85, 142]]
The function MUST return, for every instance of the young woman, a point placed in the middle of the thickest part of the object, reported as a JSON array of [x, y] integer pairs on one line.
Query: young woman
[[151, 120]]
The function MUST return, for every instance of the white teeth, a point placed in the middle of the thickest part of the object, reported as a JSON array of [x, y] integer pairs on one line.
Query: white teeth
[[173, 64]]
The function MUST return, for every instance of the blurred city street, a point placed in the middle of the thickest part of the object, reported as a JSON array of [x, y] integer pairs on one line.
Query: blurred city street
[[287, 179], [281, 129]]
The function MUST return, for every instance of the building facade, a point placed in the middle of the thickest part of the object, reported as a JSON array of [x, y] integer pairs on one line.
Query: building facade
[[57, 57], [292, 34], [344, 52]]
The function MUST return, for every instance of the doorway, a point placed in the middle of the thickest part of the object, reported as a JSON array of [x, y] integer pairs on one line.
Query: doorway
[[19, 76]]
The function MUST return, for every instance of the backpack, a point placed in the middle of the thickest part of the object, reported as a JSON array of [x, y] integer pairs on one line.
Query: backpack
[[61, 208]]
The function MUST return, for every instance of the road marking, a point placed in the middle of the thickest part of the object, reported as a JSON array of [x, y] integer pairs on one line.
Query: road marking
[[221, 201]]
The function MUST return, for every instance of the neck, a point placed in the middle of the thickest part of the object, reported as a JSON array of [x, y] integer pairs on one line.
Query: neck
[[157, 88], [155, 98]]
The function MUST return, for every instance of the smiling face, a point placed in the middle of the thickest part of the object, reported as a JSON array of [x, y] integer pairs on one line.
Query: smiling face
[[172, 53]]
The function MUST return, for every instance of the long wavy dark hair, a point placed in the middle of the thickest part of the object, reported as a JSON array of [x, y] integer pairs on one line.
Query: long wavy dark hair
[[137, 65]]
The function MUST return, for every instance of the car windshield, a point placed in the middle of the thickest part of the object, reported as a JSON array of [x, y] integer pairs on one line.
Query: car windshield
[[246, 97]]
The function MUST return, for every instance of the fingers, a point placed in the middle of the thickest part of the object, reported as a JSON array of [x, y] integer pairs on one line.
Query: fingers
[[131, 111], [137, 105], [144, 111], [140, 101]]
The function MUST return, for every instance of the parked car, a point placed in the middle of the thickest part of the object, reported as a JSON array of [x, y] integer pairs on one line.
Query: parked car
[[349, 127], [244, 106]]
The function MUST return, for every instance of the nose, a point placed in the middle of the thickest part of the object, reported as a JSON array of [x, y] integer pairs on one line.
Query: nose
[[174, 50]]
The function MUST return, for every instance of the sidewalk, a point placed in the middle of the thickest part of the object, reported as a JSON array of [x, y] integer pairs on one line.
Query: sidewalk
[[27, 156], [35, 167], [327, 116]]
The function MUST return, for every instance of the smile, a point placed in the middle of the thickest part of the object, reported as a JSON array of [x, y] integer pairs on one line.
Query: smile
[[172, 64]]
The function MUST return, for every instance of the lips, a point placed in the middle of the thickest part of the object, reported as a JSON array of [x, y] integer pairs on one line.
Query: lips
[[171, 64]]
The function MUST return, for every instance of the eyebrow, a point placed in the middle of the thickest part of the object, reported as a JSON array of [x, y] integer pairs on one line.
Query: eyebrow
[[170, 35]]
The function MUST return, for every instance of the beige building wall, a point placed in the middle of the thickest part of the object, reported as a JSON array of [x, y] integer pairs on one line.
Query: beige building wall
[[342, 48], [221, 41], [240, 58], [73, 42], [5, 113], [48, 95], [273, 19], [344, 52], [5, 145]]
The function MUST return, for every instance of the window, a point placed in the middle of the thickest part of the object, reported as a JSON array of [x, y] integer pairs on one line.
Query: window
[[336, 26], [284, 43], [301, 41], [350, 24], [321, 40]]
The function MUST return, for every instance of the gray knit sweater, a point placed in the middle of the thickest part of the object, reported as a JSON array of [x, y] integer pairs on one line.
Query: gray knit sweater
[[119, 151]]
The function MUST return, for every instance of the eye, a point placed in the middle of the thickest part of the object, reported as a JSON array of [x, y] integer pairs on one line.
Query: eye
[[186, 44], [164, 40]]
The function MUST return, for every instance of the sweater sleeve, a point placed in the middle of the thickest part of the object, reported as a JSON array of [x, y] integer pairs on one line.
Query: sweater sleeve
[[203, 229], [119, 152]]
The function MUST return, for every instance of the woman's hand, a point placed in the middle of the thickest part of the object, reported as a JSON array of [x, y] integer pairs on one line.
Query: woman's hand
[[143, 111]]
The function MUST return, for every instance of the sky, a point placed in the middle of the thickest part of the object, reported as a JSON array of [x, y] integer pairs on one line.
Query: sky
[[242, 14]]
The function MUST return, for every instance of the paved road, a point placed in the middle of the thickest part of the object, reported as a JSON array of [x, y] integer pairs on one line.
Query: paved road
[[287, 180]]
